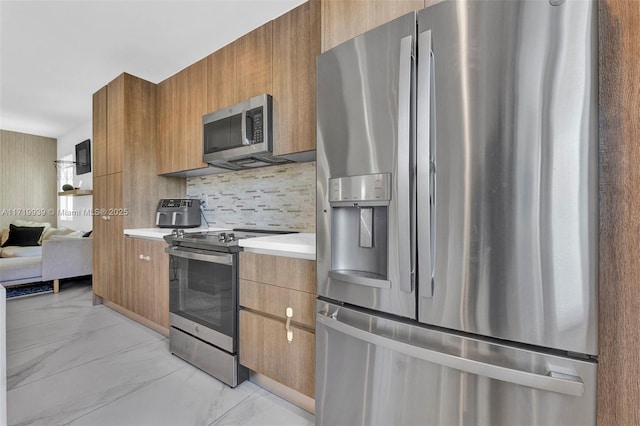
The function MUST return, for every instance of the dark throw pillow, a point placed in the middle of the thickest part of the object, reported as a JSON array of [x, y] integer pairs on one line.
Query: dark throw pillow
[[23, 236]]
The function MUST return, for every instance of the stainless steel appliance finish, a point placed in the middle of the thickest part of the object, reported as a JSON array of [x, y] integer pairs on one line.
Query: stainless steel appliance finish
[[511, 142], [203, 310], [403, 374], [363, 130], [240, 136], [220, 241], [484, 116], [203, 300], [217, 363], [178, 213]]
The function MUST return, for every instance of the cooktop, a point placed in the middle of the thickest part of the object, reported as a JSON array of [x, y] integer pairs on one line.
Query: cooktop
[[217, 240]]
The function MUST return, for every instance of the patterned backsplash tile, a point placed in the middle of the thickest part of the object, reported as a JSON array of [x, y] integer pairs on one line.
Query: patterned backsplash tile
[[275, 197]]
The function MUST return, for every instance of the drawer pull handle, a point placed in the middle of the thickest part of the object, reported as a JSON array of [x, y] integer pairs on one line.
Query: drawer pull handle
[[289, 314]]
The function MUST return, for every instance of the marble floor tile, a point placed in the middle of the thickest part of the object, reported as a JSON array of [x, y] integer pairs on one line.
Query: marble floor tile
[[185, 397], [33, 310], [263, 408], [38, 362], [73, 363], [63, 397], [83, 321]]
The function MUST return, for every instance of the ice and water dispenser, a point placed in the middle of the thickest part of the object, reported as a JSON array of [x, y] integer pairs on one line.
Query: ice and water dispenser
[[359, 231]]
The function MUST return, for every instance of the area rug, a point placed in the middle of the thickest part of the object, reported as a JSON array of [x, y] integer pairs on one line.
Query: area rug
[[29, 290]]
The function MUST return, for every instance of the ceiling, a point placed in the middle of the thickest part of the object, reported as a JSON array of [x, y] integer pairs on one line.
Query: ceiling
[[55, 54]]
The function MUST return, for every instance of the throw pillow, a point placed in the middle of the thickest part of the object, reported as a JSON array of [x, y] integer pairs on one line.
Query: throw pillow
[[47, 226], [23, 236]]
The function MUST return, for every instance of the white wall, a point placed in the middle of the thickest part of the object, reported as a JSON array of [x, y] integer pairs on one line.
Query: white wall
[[78, 214]]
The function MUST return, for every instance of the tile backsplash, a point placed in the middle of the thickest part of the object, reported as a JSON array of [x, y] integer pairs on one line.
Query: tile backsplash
[[275, 197]]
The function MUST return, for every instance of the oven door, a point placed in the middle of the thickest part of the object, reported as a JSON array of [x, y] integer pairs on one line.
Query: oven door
[[203, 298]]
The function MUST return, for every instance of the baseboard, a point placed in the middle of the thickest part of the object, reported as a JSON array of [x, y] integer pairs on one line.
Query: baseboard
[[137, 318], [291, 395]]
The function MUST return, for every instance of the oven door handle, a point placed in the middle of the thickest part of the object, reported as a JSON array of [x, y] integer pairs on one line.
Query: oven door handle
[[223, 258]]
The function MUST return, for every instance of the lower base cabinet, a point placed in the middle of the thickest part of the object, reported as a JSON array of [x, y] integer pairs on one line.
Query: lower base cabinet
[[146, 280], [264, 348], [272, 290]]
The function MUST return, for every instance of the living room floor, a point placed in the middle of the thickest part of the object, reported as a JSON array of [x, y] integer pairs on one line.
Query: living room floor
[[69, 362]]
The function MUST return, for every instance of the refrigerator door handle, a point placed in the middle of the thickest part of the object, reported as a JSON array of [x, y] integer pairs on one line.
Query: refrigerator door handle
[[424, 183], [552, 381], [406, 273]]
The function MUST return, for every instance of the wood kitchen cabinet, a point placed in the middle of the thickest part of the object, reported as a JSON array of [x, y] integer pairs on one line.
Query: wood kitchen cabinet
[[100, 235], [345, 19], [241, 70], [107, 237], [277, 58], [269, 285], [127, 189], [146, 280], [100, 133], [253, 66], [221, 78], [296, 43], [182, 101]]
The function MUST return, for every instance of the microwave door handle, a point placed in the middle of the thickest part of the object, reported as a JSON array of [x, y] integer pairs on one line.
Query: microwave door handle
[[424, 169], [243, 125]]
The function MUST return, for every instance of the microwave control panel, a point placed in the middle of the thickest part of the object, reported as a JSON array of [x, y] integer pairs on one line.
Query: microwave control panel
[[255, 131]]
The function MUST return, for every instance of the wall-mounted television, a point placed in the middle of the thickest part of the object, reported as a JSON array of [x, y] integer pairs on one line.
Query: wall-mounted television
[[83, 157]]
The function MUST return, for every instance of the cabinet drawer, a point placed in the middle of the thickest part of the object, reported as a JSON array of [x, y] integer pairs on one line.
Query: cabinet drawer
[[297, 274], [275, 300], [264, 348]]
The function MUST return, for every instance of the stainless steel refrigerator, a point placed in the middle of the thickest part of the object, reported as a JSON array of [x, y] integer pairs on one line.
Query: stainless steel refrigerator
[[457, 210]]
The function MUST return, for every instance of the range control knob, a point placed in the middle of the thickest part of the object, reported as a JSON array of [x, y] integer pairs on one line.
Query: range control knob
[[230, 237], [222, 237]]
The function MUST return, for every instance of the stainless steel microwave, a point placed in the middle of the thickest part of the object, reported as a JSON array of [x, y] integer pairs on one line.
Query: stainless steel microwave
[[240, 136]]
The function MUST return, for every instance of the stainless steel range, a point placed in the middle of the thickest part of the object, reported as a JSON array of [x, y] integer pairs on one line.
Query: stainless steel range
[[203, 300]]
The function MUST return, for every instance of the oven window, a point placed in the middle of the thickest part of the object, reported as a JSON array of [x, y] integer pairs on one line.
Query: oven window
[[202, 292]]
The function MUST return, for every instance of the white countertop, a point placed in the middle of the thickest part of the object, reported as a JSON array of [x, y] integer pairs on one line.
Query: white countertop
[[301, 246], [158, 233]]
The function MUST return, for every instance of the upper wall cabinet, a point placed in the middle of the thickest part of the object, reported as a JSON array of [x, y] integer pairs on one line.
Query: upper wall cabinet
[[276, 58], [346, 19], [241, 70], [253, 62], [182, 101], [296, 43], [221, 78]]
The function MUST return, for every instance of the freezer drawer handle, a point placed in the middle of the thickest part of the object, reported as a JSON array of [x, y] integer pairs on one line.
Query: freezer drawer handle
[[553, 382]]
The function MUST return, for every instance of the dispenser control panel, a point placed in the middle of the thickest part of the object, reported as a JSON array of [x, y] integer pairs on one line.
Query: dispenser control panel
[[363, 190]]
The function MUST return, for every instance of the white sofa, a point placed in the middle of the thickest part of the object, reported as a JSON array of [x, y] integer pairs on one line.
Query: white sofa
[[59, 256]]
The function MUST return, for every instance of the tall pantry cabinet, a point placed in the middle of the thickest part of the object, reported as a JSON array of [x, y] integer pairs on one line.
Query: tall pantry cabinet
[[126, 188]]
